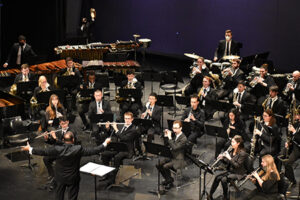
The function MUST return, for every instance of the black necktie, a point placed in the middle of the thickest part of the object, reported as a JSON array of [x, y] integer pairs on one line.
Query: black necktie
[[123, 129], [239, 97], [227, 48], [270, 104]]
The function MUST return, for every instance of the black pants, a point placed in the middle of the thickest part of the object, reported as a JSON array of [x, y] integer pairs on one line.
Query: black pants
[[192, 137], [289, 172], [48, 161], [224, 177], [82, 109], [164, 168], [73, 190], [118, 157]]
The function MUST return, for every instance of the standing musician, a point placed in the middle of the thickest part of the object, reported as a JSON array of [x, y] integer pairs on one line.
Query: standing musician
[[235, 161], [261, 84], [234, 126], [231, 76], [197, 75], [153, 112], [207, 93], [131, 104], [67, 166], [274, 102], [267, 185], [55, 110], [294, 146], [196, 116], [56, 138], [227, 47], [99, 106], [292, 89], [126, 134], [177, 145], [267, 131]]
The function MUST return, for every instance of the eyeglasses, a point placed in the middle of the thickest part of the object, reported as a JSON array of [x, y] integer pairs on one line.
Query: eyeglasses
[[176, 127]]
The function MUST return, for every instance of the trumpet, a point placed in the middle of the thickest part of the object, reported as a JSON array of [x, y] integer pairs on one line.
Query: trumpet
[[287, 88], [226, 71], [254, 81], [46, 133], [218, 159]]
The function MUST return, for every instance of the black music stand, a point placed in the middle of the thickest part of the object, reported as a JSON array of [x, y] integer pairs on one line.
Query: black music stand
[[217, 131], [130, 93], [118, 78], [252, 109], [105, 117], [164, 100], [158, 150], [26, 86], [183, 100], [68, 81], [151, 75], [145, 123], [202, 165], [87, 93], [43, 97], [221, 106]]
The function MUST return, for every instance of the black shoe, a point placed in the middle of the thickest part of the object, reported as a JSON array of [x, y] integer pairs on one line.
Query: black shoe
[[165, 182], [169, 186]]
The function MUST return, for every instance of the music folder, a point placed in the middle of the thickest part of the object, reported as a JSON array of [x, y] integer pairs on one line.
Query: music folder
[[96, 169]]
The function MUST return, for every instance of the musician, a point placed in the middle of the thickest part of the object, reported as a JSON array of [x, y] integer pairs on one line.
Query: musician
[[234, 75], [227, 47], [131, 104], [235, 161], [198, 73], [234, 126], [20, 53], [67, 166], [267, 185], [264, 82], [274, 102], [267, 132], [125, 134], [91, 82], [56, 138], [25, 75], [153, 112], [241, 97], [206, 94], [177, 145], [97, 107], [294, 147], [196, 116], [53, 111], [86, 26], [293, 87]]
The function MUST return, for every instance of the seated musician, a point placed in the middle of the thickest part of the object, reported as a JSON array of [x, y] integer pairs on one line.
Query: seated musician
[[267, 184], [153, 112], [294, 149], [25, 75], [177, 145], [43, 86], [56, 138], [231, 76], [235, 166], [196, 116], [261, 84], [275, 103], [292, 89], [234, 126], [124, 133], [131, 104], [99, 106], [198, 73], [207, 93], [82, 107], [268, 137], [55, 110], [227, 47]]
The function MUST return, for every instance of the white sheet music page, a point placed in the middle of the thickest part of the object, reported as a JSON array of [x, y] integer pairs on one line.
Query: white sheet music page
[[96, 169]]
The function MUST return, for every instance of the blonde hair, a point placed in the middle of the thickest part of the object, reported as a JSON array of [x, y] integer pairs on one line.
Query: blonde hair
[[40, 80], [271, 167]]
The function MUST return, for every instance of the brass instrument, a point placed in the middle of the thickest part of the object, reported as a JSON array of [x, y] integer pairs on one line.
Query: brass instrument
[[13, 89], [287, 87], [200, 92], [254, 81], [253, 140], [264, 104], [215, 80], [226, 71], [130, 85], [218, 159]]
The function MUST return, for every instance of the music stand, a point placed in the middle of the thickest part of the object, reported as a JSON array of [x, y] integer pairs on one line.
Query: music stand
[[221, 106], [216, 131], [202, 165], [43, 97], [130, 93], [105, 117], [252, 109], [151, 75], [118, 78], [164, 100], [68, 81], [158, 150]]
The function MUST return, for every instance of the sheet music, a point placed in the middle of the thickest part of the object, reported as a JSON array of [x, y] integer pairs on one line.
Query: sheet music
[[93, 168]]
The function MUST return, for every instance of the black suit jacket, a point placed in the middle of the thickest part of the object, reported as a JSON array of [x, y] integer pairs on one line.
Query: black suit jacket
[[19, 77], [259, 90], [68, 158], [232, 81], [270, 139], [234, 50], [156, 114], [93, 108], [237, 163], [209, 107], [199, 114], [178, 151], [279, 107], [27, 55]]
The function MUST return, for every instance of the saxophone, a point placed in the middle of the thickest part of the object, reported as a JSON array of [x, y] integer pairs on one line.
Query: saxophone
[[200, 92], [253, 140], [264, 104]]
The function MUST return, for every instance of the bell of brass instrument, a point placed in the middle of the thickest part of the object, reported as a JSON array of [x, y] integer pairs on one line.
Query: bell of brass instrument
[[215, 80], [254, 81], [226, 72], [13, 89], [264, 104], [253, 140], [200, 92], [218, 159], [287, 87]]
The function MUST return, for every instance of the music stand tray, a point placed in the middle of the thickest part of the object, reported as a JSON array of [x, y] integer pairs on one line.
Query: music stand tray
[[146, 123], [218, 131], [117, 146], [95, 118], [26, 86], [130, 93]]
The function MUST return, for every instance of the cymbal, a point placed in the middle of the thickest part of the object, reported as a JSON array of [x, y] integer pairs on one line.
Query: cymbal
[[192, 55], [136, 35], [145, 40], [231, 57]]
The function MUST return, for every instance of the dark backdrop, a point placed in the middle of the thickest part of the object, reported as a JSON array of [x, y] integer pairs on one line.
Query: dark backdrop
[[178, 26]]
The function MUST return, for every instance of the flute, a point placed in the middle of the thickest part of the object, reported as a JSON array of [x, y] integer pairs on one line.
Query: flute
[[46, 133], [103, 123]]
